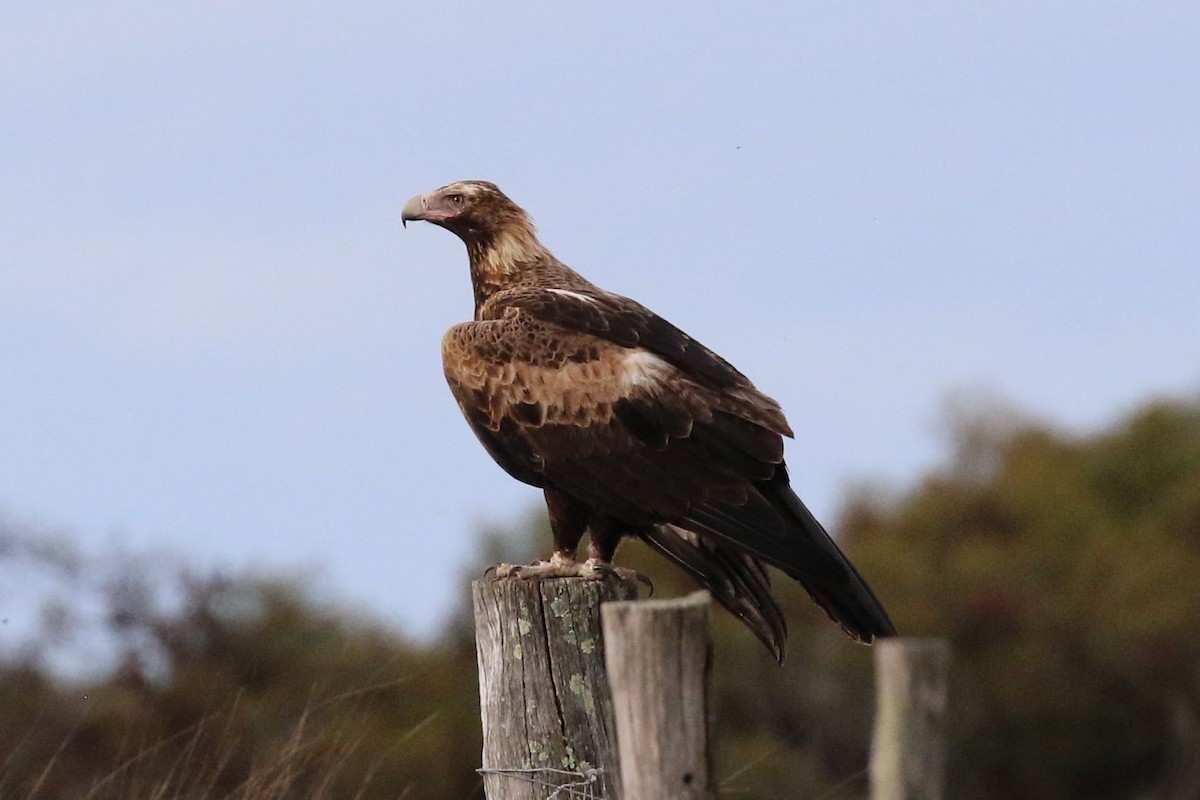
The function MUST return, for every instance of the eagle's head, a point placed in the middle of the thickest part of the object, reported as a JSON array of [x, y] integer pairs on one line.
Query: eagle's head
[[474, 210]]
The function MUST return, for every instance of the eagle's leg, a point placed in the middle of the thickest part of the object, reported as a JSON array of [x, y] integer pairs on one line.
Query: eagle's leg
[[569, 518], [568, 521], [606, 535]]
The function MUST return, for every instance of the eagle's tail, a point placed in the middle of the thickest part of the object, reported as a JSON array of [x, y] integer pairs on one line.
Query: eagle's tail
[[825, 572], [738, 581]]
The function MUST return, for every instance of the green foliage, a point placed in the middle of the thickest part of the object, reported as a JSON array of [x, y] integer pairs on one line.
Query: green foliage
[[1065, 576]]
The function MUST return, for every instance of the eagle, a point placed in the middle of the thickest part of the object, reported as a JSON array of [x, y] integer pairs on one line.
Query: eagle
[[630, 427]]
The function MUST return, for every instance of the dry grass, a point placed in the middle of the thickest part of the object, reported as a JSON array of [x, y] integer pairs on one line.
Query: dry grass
[[315, 761]]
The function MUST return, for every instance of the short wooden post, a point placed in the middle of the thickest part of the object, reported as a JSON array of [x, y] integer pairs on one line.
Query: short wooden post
[[659, 655], [546, 708], [909, 750]]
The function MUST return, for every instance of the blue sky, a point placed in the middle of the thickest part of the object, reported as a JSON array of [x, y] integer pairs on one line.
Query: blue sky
[[216, 339]]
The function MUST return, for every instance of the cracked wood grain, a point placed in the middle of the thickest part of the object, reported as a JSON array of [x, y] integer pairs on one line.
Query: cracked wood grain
[[544, 696], [659, 656]]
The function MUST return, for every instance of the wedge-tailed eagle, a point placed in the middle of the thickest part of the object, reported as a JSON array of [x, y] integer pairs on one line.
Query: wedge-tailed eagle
[[630, 427]]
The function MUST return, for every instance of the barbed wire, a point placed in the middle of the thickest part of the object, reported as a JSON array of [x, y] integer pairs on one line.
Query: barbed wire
[[584, 779]]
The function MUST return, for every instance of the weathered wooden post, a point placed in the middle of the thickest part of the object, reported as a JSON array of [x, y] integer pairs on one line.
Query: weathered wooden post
[[909, 749], [659, 654], [548, 728]]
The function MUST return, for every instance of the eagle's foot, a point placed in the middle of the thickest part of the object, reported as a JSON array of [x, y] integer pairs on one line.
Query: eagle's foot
[[537, 570], [558, 567], [596, 569]]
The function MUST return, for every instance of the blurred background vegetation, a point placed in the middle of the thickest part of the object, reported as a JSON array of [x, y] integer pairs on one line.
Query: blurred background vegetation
[[1063, 568]]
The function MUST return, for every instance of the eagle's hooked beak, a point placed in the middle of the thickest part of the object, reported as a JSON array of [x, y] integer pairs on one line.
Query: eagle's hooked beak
[[413, 209]]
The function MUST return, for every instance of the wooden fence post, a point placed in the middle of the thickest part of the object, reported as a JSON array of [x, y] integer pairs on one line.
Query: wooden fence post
[[909, 749], [544, 699], [659, 654]]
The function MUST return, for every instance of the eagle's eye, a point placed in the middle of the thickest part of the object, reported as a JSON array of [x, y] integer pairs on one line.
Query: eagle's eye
[[455, 200]]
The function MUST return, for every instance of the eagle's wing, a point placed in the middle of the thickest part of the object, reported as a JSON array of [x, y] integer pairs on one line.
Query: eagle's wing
[[628, 323], [612, 404], [618, 426]]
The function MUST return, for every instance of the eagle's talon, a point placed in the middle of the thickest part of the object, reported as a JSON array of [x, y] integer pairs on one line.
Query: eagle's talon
[[599, 570], [596, 571], [502, 571]]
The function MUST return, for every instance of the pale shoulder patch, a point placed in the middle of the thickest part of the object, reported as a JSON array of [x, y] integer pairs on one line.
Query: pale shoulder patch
[[640, 367], [575, 295]]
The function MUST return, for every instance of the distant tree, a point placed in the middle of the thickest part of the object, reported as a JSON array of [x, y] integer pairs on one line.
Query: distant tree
[[1065, 569], [244, 689]]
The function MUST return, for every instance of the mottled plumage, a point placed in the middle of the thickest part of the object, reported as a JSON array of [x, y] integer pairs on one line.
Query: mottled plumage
[[630, 427]]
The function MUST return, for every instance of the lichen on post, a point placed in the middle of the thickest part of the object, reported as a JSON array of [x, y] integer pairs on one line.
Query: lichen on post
[[544, 696]]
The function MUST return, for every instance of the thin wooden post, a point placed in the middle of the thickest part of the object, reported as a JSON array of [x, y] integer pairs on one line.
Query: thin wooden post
[[546, 708], [909, 749], [659, 654]]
